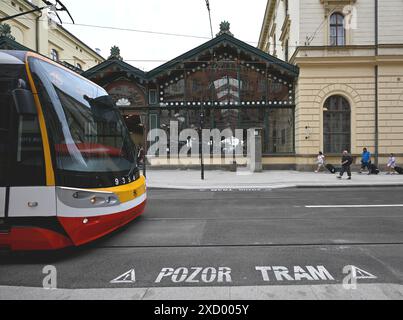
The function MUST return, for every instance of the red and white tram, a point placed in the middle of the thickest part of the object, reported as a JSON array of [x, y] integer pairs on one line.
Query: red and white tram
[[68, 169]]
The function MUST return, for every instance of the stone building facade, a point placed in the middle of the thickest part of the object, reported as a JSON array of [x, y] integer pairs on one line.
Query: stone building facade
[[350, 88], [38, 33]]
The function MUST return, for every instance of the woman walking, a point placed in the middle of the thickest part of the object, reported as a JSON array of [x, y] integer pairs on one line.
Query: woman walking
[[320, 161]]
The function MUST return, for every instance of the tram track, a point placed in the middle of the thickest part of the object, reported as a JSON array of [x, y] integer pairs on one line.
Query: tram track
[[265, 219], [265, 245]]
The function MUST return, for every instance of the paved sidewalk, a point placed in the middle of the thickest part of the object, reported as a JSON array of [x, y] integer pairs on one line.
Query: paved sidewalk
[[191, 179], [379, 291]]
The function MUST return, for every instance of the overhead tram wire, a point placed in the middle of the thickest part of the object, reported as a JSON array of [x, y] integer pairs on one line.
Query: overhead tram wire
[[138, 30], [149, 32]]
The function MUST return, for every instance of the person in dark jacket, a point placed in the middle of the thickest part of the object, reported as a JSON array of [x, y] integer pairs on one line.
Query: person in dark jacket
[[346, 162]]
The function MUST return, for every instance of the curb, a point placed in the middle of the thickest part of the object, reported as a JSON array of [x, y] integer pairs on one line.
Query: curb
[[376, 291], [384, 185], [270, 187]]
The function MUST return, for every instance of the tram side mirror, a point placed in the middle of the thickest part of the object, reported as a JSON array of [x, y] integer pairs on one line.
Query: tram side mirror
[[24, 102], [104, 102]]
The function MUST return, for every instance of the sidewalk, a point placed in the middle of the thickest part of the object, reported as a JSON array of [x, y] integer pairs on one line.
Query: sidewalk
[[191, 179]]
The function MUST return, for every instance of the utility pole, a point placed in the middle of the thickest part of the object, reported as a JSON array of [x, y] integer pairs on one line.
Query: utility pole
[[376, 84], [201, 141], [209, 14]]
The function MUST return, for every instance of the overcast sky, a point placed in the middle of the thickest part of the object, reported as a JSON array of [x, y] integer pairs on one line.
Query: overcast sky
[[189, 17]]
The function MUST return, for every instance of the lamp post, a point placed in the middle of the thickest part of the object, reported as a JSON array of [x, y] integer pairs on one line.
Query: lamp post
[[376, 83], [143, 119], [201, 141]]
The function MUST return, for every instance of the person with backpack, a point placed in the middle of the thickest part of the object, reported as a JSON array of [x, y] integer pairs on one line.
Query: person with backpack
[[346, 162]]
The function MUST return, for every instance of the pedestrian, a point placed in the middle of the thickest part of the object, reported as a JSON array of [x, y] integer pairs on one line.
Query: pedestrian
[[346, 162], [365, 160], [320, 161], [140, 155], [391, 164]]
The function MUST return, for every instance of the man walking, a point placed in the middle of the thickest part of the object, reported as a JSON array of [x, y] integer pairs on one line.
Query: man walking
[[346, 162], [365, 160]]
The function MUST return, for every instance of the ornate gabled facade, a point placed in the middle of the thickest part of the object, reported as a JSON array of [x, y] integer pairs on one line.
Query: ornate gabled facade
[[235, 85]]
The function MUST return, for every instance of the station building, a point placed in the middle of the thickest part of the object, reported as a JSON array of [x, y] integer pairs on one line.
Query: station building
[[232, 84]]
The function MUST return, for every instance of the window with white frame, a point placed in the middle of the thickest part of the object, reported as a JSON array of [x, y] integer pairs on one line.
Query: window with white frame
[[337, 31], [54, 55]]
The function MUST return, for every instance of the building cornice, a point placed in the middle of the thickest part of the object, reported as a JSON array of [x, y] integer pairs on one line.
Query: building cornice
[[360, 60], [270, 8], [330, 5], [285, 29]]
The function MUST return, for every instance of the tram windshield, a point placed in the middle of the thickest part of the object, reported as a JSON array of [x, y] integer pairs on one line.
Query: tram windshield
[[87, 133]]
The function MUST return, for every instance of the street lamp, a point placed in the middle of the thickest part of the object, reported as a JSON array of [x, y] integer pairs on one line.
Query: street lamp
[[201, 141]]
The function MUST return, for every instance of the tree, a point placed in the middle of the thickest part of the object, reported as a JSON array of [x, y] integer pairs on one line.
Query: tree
[[5, 31]]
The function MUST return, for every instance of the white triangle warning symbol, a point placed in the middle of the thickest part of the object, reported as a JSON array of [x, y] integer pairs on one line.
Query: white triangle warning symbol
[[127, 277], [358, 273]]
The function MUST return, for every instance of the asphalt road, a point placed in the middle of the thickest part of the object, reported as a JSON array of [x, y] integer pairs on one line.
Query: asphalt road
[[236, 238]]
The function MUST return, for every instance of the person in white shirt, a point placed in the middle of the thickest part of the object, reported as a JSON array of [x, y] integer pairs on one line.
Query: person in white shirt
[[391, 164], [320, 161]]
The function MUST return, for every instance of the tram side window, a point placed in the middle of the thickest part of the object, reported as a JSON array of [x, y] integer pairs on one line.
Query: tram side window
[[21, 151], [29, 169]]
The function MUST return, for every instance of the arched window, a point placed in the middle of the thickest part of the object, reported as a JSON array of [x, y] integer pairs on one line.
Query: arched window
[[54, 55], [337, 32], [336, 125], [79, 66]]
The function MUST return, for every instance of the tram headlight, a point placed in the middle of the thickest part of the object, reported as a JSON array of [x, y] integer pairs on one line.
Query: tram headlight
[[80, 198]]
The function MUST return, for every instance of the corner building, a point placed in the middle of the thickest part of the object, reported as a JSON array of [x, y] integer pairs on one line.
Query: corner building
[[349, 93]]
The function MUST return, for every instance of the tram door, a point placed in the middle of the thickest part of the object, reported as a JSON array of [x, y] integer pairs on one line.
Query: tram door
[[23, 191], [3, 156], [5, 114]]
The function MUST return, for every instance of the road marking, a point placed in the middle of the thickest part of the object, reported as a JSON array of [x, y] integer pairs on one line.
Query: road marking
[[362, 274], [318, 273], [127, 277], [195, 275], [358, 206]]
